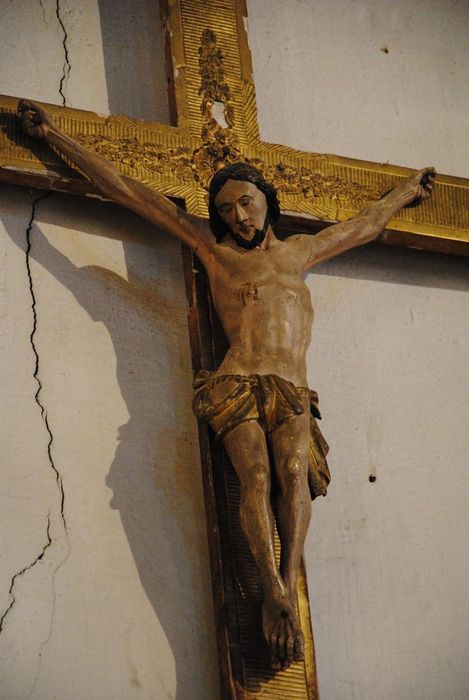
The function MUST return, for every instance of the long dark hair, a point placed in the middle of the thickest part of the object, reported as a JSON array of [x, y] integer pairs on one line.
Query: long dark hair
[[247, 173]]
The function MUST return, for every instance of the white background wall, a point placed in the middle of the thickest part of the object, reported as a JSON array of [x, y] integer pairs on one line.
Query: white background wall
[[117, 607], [370, 79]]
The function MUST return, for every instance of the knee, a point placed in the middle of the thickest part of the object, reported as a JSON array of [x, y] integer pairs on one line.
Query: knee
[[256, 479], [293, 474]]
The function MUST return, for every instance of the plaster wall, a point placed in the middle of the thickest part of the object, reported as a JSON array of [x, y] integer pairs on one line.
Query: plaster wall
[[104, 595], [386, 560], [104, 563], [369, 79]]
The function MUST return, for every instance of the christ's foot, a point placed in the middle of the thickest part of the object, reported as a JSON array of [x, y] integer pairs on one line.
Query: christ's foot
[[299, 653], [282, 632]]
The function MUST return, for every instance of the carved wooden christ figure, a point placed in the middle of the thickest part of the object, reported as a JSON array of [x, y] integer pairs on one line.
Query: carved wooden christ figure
[[257, 401]]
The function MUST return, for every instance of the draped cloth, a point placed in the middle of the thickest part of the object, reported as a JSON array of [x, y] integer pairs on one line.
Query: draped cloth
[[268, 399]]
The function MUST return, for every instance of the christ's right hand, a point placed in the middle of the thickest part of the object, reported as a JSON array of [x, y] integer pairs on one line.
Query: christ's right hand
[[112, 184], [35, 122]]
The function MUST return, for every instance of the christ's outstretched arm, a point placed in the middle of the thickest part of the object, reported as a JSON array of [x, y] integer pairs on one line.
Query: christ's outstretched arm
[[192, 230], [367, 225]]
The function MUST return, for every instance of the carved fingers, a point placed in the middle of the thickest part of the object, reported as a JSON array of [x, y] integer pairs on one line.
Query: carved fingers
[[420, 186], [426, 181], [34, 120]]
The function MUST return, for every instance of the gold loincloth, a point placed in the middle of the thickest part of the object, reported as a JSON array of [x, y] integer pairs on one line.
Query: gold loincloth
[[270, 400]]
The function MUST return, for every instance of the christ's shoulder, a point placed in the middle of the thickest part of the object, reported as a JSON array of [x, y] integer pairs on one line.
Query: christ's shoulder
[[300, 246]]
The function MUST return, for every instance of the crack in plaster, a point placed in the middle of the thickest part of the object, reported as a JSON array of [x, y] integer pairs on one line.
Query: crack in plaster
[[43, 12], [58, 477], [65, 74], [23, 571], [44, 416], [66, 66], [51, 628]]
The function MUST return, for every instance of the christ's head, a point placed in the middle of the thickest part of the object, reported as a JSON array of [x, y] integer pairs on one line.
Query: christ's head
[[243, 204]]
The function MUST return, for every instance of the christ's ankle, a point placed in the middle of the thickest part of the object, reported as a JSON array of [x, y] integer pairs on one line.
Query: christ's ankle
[[276, 592], [291, 583]]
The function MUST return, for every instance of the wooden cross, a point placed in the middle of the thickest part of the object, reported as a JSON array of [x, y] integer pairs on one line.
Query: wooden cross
[[213, 110]]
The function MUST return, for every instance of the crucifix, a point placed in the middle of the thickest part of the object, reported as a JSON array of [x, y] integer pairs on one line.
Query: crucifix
[[216, 118]]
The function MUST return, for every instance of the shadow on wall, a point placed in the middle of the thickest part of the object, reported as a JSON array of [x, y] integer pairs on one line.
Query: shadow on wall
[[417, 268], [153, 500], [135, 69]]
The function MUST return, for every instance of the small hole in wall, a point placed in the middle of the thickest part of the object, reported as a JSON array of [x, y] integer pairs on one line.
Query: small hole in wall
[[372, 478], [385, 49]]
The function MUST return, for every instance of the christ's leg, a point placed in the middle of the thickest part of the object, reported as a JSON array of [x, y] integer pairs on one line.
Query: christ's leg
[[247, 450], [290, 444]]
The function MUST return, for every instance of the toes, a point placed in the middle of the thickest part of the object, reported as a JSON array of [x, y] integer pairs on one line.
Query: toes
[[286, 645], [283, 636], [275, 664], [274, 646], [281, 642], [290, 648], [299, 653]]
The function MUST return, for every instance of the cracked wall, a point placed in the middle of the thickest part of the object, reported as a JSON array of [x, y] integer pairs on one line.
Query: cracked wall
[[31, 508], [104, 583]]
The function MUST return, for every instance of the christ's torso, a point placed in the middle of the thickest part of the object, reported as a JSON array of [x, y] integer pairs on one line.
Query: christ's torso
[[265, 308]]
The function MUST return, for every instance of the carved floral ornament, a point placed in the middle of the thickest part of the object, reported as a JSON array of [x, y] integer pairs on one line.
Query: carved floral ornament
[[219, 145]]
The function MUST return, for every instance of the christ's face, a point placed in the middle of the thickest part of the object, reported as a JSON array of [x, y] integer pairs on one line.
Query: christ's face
[[242, 207]]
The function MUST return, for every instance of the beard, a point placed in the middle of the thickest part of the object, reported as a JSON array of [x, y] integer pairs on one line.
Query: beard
[[259, 235]]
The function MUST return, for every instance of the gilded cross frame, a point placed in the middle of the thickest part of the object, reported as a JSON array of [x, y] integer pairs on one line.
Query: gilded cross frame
[[213, 109]]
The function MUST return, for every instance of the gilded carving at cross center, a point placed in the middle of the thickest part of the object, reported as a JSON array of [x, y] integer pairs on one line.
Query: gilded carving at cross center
[[220, 146]]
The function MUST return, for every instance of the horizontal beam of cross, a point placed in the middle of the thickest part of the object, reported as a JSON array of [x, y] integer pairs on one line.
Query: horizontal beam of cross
[[175, 162]]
